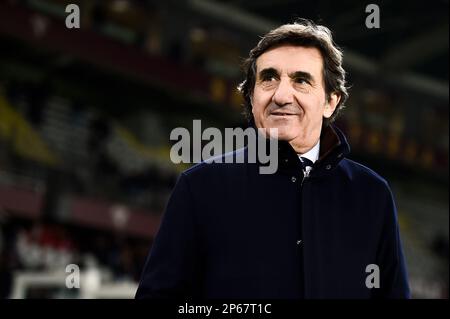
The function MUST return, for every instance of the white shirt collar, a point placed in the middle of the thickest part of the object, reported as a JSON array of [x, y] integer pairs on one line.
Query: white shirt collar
[[313, 153]]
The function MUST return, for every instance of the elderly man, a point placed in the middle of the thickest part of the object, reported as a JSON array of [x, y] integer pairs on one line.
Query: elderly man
[[322, 226]]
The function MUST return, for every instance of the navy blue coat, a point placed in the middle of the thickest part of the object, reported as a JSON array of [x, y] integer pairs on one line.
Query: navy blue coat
[[230, 232]]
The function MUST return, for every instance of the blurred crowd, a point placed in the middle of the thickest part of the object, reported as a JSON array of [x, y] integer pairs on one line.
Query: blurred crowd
[[48, 247]]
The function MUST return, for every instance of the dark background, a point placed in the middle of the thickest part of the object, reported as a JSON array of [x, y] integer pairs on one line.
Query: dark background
[[86, 114]]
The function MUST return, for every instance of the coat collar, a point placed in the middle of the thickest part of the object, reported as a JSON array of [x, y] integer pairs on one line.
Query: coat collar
[[333, 148]]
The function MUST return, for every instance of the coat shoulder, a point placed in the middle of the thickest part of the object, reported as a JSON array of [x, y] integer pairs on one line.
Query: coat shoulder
[[360, 173], [220, 165]]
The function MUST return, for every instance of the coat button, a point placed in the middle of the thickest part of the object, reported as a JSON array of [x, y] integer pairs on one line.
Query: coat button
[[328, 167], [293, 179], [299, 242]]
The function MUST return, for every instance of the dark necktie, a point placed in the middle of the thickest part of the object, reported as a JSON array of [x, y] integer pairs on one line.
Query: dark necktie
[[305, 162]]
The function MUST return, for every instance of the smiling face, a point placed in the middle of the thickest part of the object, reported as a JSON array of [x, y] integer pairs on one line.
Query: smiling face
[[289, 95]]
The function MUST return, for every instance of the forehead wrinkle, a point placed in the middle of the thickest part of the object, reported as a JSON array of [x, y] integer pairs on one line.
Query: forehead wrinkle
[[278, 55]]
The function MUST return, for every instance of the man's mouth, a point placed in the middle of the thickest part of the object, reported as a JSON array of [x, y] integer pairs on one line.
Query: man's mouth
[[282, 114]]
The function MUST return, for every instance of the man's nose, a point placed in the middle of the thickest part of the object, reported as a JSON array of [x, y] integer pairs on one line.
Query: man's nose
[[284, 93]]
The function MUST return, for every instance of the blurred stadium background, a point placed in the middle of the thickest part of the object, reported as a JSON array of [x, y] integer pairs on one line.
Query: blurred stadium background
[[85, 118]]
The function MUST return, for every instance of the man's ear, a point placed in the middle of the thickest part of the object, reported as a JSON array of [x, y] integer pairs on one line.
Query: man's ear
[[331, 104]]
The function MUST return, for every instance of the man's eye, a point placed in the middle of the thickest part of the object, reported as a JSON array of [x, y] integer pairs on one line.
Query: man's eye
[[269, 79], [301, 81]]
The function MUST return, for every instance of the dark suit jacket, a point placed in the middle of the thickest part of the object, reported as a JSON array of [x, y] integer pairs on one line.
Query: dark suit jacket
[[230, 232]]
